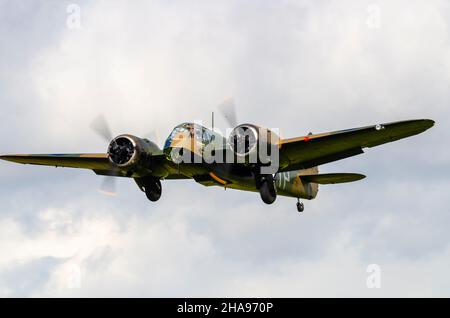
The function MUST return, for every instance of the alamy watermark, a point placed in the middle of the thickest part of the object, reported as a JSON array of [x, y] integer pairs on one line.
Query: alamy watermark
[[373, 20], [374, 277], [74, 277], [73, 20]]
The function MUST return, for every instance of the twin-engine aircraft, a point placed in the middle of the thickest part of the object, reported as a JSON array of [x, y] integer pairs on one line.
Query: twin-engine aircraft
[[250, 159]]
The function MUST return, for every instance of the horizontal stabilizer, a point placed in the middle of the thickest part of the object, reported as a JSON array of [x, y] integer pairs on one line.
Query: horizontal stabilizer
[[332, 178]]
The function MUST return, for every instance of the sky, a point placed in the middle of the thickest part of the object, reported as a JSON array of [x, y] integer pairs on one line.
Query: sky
[[299, 66]]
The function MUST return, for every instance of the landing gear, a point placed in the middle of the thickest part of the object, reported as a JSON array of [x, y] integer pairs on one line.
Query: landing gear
[[153, 189], [300, 206], [267, 189]]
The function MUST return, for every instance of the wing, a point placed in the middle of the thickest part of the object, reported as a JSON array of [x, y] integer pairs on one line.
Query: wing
[[99, 163], [313, 150], [83, 161]]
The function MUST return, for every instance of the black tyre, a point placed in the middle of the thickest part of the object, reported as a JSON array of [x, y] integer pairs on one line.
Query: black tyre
[[268, 192], [153, 190], [300, 207]]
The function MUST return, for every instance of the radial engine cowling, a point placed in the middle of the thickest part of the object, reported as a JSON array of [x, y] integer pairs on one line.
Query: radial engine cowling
[[127, 151], [252, 143]]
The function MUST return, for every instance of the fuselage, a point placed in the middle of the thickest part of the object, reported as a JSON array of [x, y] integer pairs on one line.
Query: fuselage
[[192, 141]]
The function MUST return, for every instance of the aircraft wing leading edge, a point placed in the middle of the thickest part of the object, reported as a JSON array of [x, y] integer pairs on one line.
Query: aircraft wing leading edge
[[313, 150]]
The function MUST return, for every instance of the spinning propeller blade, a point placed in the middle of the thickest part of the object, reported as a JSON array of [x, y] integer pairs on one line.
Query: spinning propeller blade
[[101, 127], [228, 110], [108, 186]]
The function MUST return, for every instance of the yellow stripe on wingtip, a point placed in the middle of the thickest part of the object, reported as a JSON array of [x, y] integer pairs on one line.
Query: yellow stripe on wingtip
[[94, 155], [221, 181]]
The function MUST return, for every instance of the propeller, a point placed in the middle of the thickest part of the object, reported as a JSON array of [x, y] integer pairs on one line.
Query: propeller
[[155, 137], [228, 110], [108, 186], [101, 127]]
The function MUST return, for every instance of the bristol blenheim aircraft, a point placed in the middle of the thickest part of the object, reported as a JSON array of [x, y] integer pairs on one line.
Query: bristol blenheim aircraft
[[286, 167]]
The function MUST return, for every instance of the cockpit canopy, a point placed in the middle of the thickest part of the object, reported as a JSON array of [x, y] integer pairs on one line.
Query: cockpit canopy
[[200, 133]]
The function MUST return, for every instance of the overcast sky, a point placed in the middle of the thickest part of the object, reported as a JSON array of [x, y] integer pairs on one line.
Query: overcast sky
[[295, 65]]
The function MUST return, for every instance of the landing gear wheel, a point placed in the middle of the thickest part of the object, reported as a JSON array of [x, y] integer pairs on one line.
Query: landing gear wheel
[[153, 190], [267, 191], [300, 206]]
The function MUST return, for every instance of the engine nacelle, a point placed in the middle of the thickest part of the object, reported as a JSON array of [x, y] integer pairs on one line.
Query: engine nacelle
[[253, 144], [128, 151]]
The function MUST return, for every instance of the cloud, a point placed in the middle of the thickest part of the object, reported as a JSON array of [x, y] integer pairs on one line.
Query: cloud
[[295, 65]]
